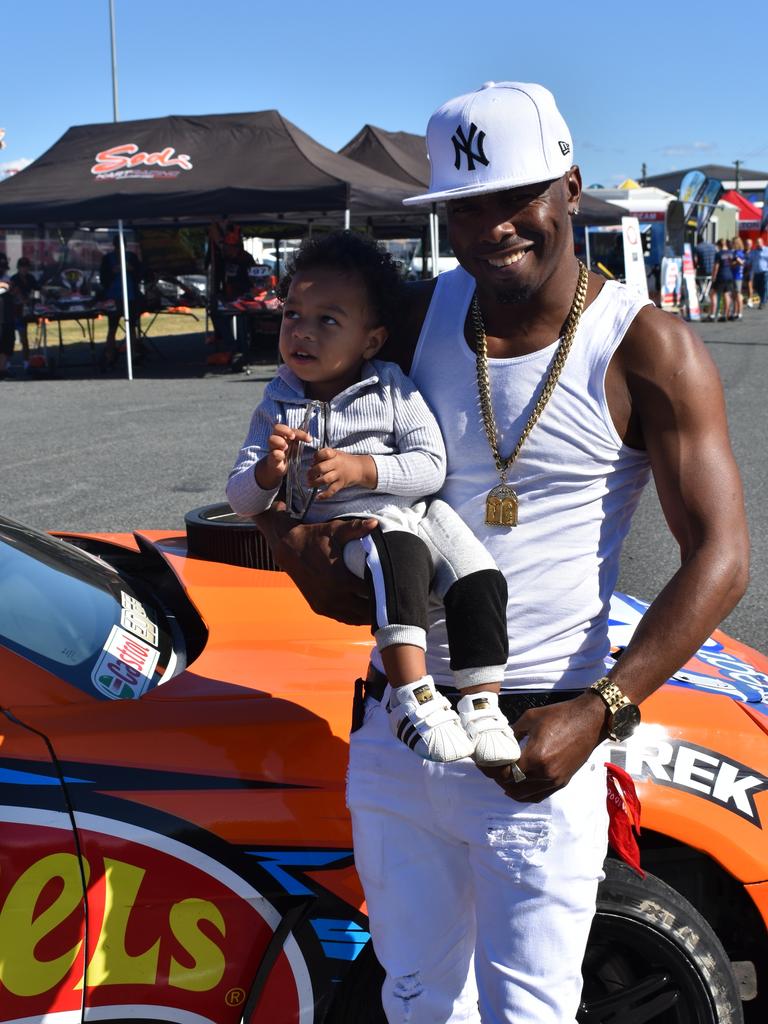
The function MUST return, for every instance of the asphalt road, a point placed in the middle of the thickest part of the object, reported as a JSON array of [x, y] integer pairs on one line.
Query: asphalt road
[[85, 452]]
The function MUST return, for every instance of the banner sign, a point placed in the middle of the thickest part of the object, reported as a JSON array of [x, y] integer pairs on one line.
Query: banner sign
[[671, 281], [708, 199], [675, 227], [634, 264], [690, 188], [689, 279], [764, 218]]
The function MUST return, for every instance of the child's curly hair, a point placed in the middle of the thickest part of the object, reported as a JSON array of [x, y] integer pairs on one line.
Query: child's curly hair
[[352, 253]]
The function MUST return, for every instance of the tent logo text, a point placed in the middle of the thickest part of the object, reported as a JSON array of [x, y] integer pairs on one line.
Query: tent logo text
[[128, 161]]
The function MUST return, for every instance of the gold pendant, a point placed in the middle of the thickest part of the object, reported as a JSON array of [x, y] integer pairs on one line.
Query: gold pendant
[[501, 507]]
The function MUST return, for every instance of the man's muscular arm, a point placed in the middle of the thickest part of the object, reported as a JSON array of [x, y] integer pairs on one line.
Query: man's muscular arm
[[678, 414], [312, 554]]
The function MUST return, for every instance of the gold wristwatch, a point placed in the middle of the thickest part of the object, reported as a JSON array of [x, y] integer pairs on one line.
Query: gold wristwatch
[[625, 716]]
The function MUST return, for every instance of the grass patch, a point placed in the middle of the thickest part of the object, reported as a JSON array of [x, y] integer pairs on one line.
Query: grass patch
[[76, 331]]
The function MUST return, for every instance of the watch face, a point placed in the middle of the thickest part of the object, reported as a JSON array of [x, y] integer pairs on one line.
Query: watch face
[[625, 721]]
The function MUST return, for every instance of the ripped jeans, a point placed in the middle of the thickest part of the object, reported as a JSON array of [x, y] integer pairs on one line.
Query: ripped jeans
[[479, 907]]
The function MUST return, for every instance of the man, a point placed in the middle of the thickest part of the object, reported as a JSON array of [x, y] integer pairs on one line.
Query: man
[[111, 281], [739, 257], [760, 272], [7, 328], [23, 285], [723, 282], [231, 281], [749, 247], [481, 890], [704, 259]]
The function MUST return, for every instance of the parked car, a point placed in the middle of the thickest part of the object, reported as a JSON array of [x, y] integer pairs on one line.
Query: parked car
[[173, 743]]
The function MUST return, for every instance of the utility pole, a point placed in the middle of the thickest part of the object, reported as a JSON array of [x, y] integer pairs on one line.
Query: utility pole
[[121, 235], [643, 172], [737, 164]]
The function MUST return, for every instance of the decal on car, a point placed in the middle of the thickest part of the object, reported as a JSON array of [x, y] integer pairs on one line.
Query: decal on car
[[137, 619], [693, 769], [713, 669], [169, 928], [124, 669]]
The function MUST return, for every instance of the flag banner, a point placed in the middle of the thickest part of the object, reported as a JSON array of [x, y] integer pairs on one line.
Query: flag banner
[[690, 188], [671, 282], [689, 282], [708, 199], [674, 228], [634, 264]]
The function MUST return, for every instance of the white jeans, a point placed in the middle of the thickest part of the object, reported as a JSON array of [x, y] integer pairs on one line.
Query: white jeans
[[479, 906]]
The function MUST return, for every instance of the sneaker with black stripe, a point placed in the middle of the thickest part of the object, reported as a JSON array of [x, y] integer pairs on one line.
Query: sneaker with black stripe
[[485, 723], [423, 719]]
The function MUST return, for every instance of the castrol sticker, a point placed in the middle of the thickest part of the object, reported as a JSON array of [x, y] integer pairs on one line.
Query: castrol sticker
[[125, 667]]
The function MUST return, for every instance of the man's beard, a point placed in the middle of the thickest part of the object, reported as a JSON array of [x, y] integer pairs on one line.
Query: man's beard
[[511, 296]]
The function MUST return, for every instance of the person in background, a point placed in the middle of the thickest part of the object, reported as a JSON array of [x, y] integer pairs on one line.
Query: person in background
[[722, 281], [760, 272], [230, 264], [749, 247], [7, 328], [23, 284], [704, 261], [737, 248], [110, 279]]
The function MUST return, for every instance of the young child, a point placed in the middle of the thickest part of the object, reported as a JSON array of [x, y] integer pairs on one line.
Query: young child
[[378, 453]]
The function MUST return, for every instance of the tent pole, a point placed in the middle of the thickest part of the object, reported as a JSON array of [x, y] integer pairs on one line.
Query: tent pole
[[126, 307], [433, 241]]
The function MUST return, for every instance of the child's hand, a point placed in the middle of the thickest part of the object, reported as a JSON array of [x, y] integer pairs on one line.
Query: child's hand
[[271, 469], [333, 471]]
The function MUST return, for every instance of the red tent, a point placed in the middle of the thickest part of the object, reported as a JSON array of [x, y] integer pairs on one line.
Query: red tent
[[749, 214]]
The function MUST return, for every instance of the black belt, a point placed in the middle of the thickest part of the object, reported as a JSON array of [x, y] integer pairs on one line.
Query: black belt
[[512, 705]]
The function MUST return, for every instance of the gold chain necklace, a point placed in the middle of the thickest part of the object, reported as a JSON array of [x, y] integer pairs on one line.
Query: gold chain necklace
[[501, 503]]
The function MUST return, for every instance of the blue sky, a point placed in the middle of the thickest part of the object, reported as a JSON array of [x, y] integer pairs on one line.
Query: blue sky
[[630, 82]]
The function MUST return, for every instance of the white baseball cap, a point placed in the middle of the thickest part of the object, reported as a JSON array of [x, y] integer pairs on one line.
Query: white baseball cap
[[503, 135]]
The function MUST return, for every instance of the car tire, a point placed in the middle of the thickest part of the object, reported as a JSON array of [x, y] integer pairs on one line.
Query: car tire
[[651, 959]]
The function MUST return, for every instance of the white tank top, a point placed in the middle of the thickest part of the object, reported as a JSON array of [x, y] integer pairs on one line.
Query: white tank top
[[576, 481]]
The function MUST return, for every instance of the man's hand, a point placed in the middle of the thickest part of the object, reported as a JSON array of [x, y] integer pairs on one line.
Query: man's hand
[[333, 470], [272, 468], [556, 741], [312, 557]]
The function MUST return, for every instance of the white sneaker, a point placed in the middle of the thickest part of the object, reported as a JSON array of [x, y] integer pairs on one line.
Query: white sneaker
[[424, 720], [495, 743]]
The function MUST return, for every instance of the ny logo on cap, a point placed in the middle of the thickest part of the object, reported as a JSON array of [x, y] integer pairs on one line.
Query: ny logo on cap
[[463, 144]]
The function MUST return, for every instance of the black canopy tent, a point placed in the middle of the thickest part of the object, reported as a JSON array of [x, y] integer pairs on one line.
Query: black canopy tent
[[191, 168], [400, 155], [595, 212], [182, 169]]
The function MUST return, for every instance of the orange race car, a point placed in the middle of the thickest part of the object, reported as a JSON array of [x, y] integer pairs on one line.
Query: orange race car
[[176, 848]]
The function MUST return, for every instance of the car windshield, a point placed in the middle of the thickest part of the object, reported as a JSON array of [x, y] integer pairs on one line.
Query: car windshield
[[77, 617]]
